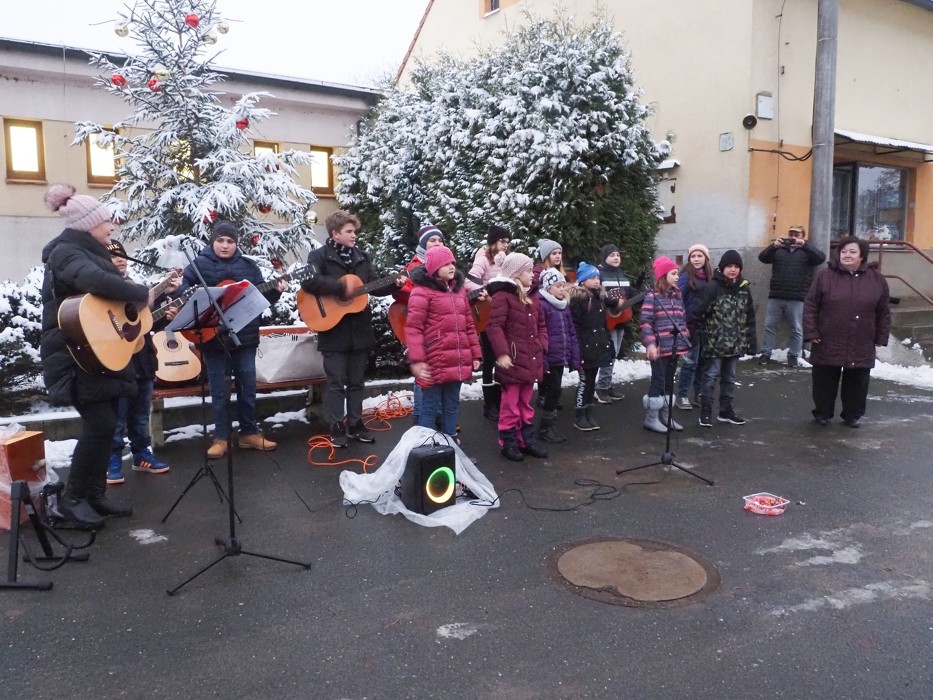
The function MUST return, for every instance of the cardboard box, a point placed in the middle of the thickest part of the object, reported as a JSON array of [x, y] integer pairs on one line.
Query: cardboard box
[[22, 457]]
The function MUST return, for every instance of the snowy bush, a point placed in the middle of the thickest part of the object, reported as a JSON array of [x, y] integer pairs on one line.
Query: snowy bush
[[543, 133], [20, 333]]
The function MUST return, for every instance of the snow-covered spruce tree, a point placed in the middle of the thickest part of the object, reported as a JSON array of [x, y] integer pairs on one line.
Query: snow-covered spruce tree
[[183, 158], [543, 133], [20, 331]]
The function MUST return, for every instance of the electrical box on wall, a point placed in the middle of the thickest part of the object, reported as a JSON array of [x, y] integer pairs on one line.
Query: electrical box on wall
[[764, 105], [726, 141]]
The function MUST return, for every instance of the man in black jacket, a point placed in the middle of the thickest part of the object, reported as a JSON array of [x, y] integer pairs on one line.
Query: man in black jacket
[[77, 262], [793, 260], [346, 346]]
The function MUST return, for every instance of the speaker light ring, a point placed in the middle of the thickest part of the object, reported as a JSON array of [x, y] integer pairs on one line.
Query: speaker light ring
[[436, 475]]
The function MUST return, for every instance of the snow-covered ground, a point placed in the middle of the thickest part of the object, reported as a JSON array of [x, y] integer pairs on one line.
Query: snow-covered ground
[[914, 373]]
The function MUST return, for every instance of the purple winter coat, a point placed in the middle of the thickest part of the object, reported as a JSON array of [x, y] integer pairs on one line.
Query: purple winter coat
[[439, 328], [517, 330], [848, 313], [563, 348]]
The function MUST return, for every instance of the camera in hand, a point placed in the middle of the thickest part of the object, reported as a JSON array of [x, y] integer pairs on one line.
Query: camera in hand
[[788, 241]]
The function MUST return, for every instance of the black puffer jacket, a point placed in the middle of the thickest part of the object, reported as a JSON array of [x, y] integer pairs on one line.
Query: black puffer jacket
[[76, 263], [792, 270], [588, 310], [216, 270], [354, 331]]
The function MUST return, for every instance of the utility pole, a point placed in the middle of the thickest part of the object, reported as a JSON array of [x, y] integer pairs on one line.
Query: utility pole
[[824, 121]]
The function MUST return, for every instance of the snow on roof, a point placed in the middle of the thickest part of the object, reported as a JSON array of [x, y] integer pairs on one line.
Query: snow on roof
[[668, 164], [897, 144]]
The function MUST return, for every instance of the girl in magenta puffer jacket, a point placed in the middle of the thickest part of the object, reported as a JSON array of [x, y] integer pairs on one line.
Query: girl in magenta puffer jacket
[[518, 336], [443, 350]]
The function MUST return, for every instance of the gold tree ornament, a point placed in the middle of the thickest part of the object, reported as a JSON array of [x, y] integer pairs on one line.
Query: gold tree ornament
[[222, 27], [310, 217], [121, 29], [160, 72], [209, 38]]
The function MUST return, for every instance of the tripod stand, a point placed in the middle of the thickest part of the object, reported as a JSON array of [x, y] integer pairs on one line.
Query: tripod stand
[[231, 545], [205, 469], [667, 458]]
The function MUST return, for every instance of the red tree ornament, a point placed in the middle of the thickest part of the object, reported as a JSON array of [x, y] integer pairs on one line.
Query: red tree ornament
[[242, 123], [276, 263], [154, 85], [192, 20], [265, 208], [210, 217], [118, 80], [255, 239]]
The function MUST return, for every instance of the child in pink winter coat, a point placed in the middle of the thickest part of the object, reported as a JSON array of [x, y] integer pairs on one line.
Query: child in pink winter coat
[[443, 350]]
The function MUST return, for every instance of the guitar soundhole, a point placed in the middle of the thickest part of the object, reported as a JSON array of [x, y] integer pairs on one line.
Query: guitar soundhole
[[172, 345], [131, 313]]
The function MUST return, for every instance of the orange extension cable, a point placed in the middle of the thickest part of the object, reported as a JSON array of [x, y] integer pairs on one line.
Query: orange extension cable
[[390, 409]]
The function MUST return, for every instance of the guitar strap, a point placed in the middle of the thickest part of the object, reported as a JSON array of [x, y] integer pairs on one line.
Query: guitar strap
[[474, 279]]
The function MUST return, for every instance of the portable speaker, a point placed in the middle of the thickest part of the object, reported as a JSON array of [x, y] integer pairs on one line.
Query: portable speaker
[[429, 480]]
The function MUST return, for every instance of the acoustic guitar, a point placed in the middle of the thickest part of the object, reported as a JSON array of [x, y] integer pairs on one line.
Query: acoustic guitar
[[102, 334], [321, 313], [479, 310], [176, 361], [209, 333], [622, 313]]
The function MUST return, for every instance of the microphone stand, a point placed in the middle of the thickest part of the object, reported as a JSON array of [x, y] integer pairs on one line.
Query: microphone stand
[[231, 545], [667, 458]]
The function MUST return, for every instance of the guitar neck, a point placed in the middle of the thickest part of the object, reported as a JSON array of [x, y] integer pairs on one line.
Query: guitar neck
[[375, 284], [298, 275], [158, 290], [475, 293]]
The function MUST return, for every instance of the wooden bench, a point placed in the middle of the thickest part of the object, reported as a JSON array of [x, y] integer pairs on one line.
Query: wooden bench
[[160, 393]]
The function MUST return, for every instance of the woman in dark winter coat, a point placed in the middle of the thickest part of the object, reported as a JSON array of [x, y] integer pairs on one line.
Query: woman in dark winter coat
[[663, 323], [443, 349], [518, 338], [78, 262], [588, 309], [846, 314], [221, 261], [618, 288], [563, 349]]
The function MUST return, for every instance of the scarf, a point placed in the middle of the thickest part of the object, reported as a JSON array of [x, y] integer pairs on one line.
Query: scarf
[[345, 253], [552, 300]]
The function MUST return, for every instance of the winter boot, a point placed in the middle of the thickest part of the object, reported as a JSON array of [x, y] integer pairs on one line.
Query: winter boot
[[508, 439], [548, 432], [530, 448], [580, 421], [97, 497], [653, 405], [792, 361], [662, 414], [492, 395], [588, 412], [615, 393], [74, 504]]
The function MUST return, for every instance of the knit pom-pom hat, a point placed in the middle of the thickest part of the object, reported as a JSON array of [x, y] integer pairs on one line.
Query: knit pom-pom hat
[[585, 271], [79, 211], [437, 257], [425, 233], [662, 266], [730, 257], [549, 278], [698, 247], [513, 264]]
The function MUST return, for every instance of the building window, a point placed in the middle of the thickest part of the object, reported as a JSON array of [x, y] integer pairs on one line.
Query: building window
[[25, 151], [260, 147], [870, 201], [322, 170], [101, 161], [492, 6]]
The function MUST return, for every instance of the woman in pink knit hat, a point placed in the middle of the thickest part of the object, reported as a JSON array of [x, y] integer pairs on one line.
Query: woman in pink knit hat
[[694, 275]]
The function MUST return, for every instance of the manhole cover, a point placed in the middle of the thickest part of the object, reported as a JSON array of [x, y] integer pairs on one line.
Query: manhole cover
[[636, 573]]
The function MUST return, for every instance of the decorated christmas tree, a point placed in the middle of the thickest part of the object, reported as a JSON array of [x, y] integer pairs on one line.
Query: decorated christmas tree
[[184, 158]]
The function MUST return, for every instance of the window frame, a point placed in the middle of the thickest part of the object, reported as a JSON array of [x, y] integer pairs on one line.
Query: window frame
[[24, 176], [854, 169], [273, 146], [329, 190], [101, 180]]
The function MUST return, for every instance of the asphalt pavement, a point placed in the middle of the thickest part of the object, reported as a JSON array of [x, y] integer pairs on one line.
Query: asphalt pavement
[[829, 600]]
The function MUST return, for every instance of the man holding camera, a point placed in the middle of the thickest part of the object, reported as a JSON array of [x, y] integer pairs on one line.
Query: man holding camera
[[793, 260]]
